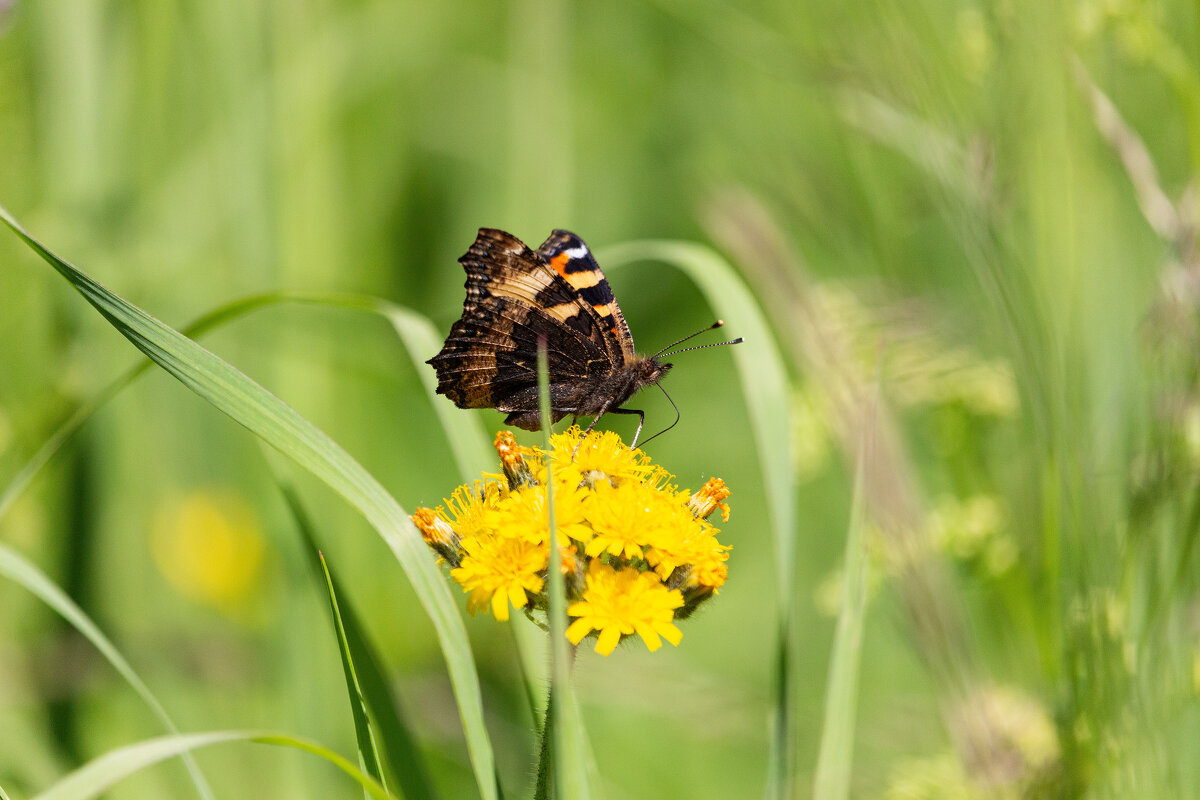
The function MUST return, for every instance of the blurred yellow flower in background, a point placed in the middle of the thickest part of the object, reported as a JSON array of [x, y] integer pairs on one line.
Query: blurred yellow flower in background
[[637, 552], [209, 546]]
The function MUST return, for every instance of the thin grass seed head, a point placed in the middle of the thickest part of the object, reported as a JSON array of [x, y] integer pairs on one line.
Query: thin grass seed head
[[637, 553]]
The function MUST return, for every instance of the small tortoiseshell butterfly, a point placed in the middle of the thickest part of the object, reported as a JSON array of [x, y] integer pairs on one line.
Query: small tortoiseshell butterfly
[[516, 295]]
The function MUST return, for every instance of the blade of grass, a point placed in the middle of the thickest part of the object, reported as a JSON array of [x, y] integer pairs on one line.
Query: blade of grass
[[101, 774], [18, 569], [836, 754], [564, 748], [368, 751], [467, 439], [284, 429], [84, 412], [765, 387], [399, 744]]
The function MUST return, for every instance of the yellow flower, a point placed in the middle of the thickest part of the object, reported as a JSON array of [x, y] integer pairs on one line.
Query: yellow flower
[[209, 545], [637, 552], [625, 519], [523, 514], [704, 502], [438, 534], [468, 507], [711, 571], [499, 570], [621, 602], [682, 539], [512, 460], [600, 453]]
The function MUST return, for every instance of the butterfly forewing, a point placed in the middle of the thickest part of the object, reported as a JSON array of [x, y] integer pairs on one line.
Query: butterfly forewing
[[501, 265], [569, 257]]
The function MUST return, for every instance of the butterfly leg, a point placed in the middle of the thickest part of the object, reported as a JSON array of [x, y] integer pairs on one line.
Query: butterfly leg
[[603, 410], [595, 419], [641, 421]]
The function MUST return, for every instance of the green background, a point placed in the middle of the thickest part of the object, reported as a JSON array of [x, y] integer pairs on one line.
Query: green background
[[934, 168]]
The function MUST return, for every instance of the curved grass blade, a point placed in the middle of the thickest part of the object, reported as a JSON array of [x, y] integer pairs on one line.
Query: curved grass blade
[[21, 571], [472, 450], [368, 751], [765, 387], [284, 429], [3, 794], [101, 774], [399, 744], [468, 440], [466, 435], [836, 755]]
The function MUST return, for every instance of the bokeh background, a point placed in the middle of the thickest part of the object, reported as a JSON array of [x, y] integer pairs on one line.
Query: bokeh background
[[982, 211]]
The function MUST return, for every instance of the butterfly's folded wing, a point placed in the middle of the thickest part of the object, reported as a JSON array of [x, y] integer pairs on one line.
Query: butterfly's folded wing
[[568, 256], [491, 354], [516, 297]]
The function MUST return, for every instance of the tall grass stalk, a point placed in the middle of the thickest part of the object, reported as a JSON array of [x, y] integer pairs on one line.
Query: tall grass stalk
[[563, 757]]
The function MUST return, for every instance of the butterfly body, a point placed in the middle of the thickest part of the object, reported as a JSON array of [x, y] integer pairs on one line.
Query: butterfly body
[[557, 294]]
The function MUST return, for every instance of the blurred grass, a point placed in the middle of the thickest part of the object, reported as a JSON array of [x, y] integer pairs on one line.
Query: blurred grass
[[958, 211]]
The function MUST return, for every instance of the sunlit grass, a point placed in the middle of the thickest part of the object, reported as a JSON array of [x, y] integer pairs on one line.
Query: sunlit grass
[[983, 215]]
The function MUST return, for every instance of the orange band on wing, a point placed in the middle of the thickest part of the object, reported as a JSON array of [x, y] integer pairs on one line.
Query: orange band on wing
[[584, 280], [559, 264], [605, 310]]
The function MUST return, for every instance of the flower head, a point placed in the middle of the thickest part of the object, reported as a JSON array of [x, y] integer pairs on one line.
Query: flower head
[[497, 570], [438, 534], [709, 499], [512, 460], [637, 552], [618, 602]]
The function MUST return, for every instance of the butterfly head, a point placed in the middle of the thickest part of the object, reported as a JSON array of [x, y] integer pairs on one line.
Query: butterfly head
[[648, 371]]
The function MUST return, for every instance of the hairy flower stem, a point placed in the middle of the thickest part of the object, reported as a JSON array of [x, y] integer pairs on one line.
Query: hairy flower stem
[[545, 768], [545, 760]]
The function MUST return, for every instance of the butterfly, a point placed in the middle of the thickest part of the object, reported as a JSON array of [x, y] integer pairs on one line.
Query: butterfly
[[557, 293]]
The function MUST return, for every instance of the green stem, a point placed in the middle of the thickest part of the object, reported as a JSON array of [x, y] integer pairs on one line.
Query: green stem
[[545, 752]]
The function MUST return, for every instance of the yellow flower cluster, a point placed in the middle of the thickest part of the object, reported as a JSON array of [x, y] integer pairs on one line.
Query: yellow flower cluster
[[636, 552]]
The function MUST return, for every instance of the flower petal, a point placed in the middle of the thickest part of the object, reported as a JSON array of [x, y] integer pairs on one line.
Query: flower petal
[[608, 641], [577, 630]]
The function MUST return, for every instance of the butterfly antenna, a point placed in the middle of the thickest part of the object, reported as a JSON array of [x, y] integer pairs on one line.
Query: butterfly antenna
[[672, 402], [738, 340], [712, 327]]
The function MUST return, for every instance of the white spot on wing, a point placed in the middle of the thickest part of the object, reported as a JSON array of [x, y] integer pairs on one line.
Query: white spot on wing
[[576, 252]]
